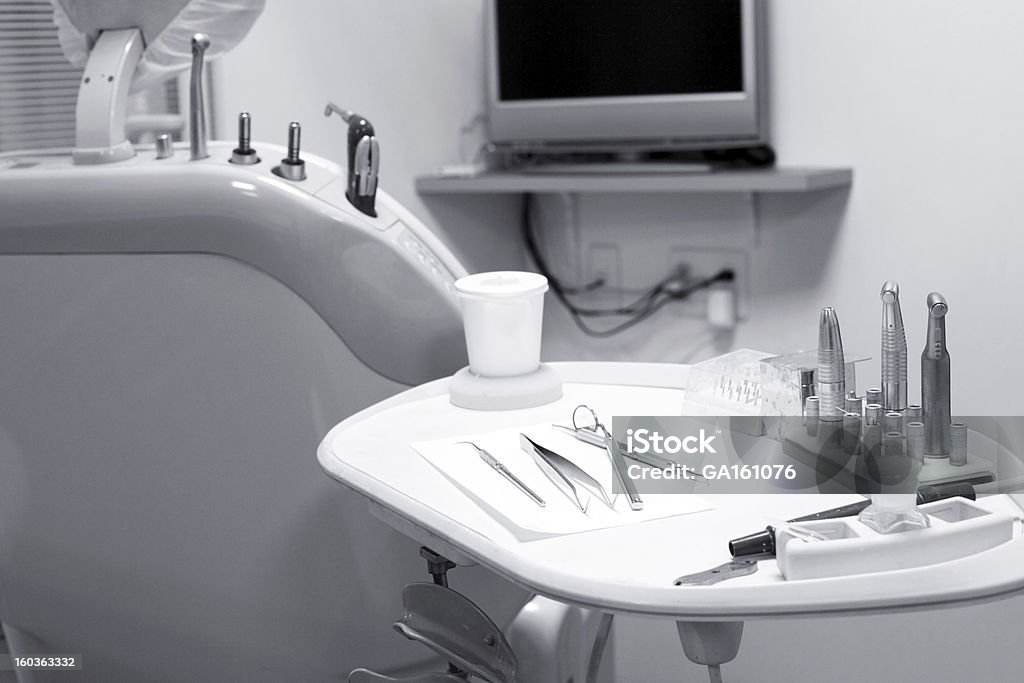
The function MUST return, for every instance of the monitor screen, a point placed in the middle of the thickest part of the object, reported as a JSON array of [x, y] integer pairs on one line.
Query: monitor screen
[[571, 49]]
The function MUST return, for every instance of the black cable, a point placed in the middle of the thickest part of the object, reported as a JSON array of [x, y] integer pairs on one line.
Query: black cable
[[644, 307]]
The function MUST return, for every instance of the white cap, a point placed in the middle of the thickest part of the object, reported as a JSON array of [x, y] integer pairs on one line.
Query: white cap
[[501, 284]]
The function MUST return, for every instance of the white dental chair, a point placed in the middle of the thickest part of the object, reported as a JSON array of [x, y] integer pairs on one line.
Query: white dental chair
[[179, 334]]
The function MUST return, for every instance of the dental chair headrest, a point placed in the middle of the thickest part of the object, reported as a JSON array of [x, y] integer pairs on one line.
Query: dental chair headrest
[[167, 28]]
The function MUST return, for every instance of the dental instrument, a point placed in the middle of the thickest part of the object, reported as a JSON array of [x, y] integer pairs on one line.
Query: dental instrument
[[913, 413], [812, 413], [292, 167], [363, 159], [851, 432], [244, 154], [164, 146], [894, 349], [935, 385], [563, 473], [615, 455], [761, 545], [197, 110], [873, 395], [831, 374], [593, 438], [958, 444], [729, 570], [893, 422], [501, 469], [915, 440], [855, 406]]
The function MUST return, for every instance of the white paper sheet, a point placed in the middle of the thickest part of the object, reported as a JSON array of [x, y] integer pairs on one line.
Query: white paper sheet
[[462, 465]]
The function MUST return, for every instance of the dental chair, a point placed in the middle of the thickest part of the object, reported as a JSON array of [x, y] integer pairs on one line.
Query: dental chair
[[182, 326]]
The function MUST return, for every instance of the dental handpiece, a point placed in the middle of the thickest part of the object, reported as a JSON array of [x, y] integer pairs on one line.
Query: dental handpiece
[[894, 350], [831, 375], [935, 388]]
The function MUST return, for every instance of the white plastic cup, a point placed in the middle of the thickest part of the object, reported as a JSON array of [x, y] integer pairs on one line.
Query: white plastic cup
[[502, 316]]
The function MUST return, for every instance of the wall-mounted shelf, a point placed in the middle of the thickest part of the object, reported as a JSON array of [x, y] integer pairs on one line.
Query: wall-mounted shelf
[[747, 180]]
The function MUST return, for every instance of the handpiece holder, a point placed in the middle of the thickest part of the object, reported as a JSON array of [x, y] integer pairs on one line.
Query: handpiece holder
[[363, 159], [103, 98]]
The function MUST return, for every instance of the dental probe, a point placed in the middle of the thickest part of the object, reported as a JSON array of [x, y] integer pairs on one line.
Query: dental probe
[[894, 350], [935, 388], [500, 468]]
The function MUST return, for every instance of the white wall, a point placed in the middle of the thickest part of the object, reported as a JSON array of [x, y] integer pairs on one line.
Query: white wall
[[921, 97]]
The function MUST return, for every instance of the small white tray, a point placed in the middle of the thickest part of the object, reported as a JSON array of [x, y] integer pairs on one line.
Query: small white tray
[[959, 527]]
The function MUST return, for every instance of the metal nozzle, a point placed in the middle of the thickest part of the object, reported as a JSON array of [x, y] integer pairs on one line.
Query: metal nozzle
[[831, 374], [345, 114], [197, 109], [894, 349], [164, 146], [292, 167], [244, 154], [294, 140]]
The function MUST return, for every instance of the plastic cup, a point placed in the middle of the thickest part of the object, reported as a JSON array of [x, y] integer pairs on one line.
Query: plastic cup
[[502, 316]]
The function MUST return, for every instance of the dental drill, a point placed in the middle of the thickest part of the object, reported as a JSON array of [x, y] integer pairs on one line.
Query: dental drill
[[935, 387], [831, 367], [894, 350]]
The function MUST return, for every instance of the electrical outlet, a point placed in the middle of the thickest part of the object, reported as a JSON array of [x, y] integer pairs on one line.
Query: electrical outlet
[[604, 262], [702, 262]]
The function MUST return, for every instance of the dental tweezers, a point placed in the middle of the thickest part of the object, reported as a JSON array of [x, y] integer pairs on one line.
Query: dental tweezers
[[500, 468], [564, 474]]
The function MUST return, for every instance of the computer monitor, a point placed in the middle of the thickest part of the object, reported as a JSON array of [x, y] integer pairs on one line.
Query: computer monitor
[[604, 74]]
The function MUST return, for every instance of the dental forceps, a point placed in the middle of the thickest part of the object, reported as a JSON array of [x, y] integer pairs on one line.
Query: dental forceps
[[500, 468], [598, 432]]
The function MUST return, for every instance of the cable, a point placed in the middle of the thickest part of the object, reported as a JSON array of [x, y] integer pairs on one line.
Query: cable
[[649, 303]]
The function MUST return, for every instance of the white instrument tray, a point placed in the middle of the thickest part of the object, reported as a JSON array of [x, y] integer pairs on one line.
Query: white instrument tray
[[959, 528]]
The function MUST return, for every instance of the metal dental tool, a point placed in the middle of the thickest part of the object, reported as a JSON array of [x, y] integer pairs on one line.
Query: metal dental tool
[[363, 159], [500, 468], [615, 455], [894, 350], [935, 380], [196, 108], [292, 167], [594, 438], [873, 395], [729, 570], [831, 373], [244, 154], [564, 474]]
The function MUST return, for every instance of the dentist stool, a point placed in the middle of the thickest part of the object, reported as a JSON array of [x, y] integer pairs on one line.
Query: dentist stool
[[452, 626]]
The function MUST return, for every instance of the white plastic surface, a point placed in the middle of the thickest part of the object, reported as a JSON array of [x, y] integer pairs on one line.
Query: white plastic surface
[[538, 388], [959, 528], [631, 569], [102, 103], [502, 314]]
